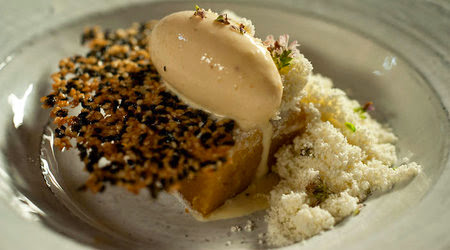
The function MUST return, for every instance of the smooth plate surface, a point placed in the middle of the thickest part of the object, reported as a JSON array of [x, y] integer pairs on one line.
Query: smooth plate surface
[[394, 54]]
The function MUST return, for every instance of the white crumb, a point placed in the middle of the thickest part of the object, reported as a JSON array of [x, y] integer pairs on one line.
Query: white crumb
[[329, 170], [235, 229]]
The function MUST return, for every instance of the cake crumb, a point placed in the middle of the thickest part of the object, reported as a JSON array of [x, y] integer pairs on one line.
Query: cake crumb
[[249, 226], [235, 229]]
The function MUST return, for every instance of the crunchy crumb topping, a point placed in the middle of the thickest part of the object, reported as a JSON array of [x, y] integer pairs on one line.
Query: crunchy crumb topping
[[131, 131]]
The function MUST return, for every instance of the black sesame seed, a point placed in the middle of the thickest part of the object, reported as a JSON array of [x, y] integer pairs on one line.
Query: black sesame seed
[[197, 131], [191, 124], [86, 106], [145, 107], [162, 119], [212, 127], [108, 68], [112, 123], [161, 111], [115, 105], [138, 94], [160, 164], [76, 127], [206, 163], [219, 137], [149, 120], [142, 138], [192, 169], [182, 107], [203, 115], [90, 167], [90, 34], [163, 132], [50, 100], [156, 78], [166, 139], [71, 85], [138, 116], [205, 137], [62, 113], [163, 182], [137, 152], [119, 147], [190, 114], [174, 161], [229, 126], [229, 143], [78, 71], [59, 133], [83, 114]]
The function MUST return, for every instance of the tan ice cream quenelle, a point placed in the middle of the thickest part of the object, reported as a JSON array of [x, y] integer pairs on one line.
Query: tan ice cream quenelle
[[217, 68]]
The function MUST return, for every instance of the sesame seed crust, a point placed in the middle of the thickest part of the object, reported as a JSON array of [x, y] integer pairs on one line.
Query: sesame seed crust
[[147, 135]]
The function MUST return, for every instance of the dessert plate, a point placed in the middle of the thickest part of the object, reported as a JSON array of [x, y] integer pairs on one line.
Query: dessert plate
[[389, 58]]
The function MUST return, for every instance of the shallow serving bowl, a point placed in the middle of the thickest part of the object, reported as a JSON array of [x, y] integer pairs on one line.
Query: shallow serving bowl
[[394, 54]]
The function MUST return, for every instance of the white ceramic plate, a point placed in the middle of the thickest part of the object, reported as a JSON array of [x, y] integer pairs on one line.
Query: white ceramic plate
[[395, 54]]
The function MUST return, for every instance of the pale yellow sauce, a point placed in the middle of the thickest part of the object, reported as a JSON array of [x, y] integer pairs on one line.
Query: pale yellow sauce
[[267, 132], [254, 198]]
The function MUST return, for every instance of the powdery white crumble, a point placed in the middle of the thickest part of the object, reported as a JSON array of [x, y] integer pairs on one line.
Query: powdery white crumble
[[299, 220], [294, 77], [329, 169]]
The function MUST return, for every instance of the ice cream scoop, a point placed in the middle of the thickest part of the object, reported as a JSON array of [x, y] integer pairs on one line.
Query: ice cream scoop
[[217, 67]]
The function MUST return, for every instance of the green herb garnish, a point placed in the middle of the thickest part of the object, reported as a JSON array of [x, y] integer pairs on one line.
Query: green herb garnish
[[350, 126], [282, 60], [361, 110], [222, 19], [319, 191], [199, 12], [281, 51]]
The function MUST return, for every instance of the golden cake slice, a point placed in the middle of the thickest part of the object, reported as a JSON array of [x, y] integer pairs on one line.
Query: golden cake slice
[[208, 190]]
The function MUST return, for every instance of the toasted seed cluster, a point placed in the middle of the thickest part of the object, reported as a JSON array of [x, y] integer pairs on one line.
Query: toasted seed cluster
[[131, 131]]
